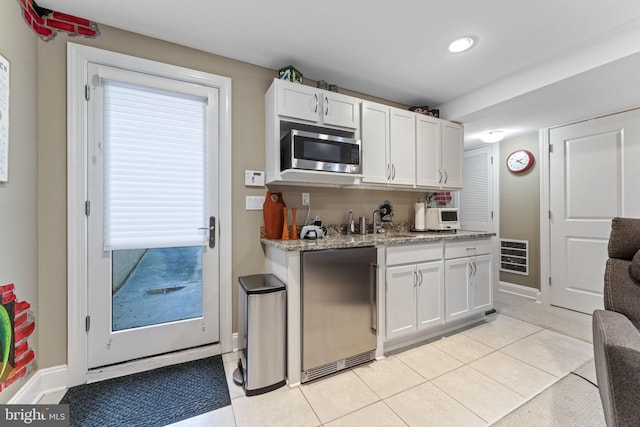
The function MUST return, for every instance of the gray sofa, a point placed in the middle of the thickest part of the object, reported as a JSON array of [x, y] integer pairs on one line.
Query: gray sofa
[[616, 330]]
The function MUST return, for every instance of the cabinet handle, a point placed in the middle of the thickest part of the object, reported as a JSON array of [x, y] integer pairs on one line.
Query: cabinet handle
[[421, 277], [446, 176], [440, 179], [393, 168], [326, 101], [316, 97], [388, 170], [415, 278]]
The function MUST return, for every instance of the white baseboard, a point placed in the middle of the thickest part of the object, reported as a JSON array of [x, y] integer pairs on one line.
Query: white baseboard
[[522, 291], [47, 380]]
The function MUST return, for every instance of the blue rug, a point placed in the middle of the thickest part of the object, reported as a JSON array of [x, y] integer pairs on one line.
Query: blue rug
[[153, 398]]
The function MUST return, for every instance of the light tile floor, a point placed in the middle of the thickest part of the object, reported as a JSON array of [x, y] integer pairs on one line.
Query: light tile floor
[[474, 377]]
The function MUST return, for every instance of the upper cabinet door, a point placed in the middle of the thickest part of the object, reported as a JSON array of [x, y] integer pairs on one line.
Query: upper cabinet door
[[375, 143], [428, 172], [340, 110], [402, 146], [299, 101], [452, 155]]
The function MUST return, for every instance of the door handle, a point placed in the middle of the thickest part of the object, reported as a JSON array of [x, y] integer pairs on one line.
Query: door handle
[[373, 295], [212, 231]]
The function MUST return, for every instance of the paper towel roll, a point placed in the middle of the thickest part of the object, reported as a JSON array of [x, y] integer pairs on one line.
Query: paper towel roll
[[419, 216]]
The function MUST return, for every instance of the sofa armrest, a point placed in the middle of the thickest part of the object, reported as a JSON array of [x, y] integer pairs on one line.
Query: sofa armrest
[[616, 346]]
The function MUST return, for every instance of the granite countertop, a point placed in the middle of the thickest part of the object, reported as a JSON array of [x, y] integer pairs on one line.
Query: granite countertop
[[339, 241]]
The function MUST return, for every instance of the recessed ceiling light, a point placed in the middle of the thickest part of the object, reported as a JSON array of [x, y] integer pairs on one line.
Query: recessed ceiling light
[[492, 136], [461, 45]]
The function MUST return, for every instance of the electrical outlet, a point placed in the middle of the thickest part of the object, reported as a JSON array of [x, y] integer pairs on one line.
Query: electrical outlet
[[305, 199], [254, 203]]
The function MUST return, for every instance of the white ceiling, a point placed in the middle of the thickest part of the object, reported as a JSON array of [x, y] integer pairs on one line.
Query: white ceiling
[[535, 64]]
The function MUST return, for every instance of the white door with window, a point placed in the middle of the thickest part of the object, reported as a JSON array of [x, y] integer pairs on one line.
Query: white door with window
[[593, 176], [153, 262]]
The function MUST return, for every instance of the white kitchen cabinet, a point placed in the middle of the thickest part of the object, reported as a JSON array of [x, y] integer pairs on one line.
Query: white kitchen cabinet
[[439, 153], [468, 278], [452, 154], [414, 298], [401, 301], [317, 106], [430, 294], [295, 106], [388, 145], [414, 289]]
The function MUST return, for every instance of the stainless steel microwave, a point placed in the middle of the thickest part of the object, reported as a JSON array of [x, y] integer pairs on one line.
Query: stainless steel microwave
[[320, 152]]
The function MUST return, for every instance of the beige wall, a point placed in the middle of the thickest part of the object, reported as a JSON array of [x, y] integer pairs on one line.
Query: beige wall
[[18, 197], [249, 83], [520, 208]]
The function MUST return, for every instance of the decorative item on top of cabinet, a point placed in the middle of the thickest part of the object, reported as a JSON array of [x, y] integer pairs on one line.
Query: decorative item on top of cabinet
[[273, 215], [290, 73]]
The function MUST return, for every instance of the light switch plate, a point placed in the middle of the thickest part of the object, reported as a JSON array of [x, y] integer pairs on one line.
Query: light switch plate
[[254, 203], [254, 178]]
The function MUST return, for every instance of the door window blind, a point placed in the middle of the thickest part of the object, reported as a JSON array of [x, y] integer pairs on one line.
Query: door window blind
[[154, 167]]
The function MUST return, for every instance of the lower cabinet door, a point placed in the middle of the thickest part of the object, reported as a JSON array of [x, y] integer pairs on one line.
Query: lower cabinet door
[[457, 288], [430, 294], [400, 301], [481, 280]]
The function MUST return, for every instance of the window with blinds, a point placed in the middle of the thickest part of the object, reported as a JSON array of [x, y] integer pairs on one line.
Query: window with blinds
[[154, 168]]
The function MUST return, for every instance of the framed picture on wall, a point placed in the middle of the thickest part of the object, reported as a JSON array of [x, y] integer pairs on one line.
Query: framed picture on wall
[[4, 119]]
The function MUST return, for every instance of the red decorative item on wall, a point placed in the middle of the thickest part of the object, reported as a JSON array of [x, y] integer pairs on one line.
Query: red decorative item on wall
[[16, 326], [46, 22]]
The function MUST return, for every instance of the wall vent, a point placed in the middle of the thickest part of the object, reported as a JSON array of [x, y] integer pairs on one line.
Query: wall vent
[[514, 256]]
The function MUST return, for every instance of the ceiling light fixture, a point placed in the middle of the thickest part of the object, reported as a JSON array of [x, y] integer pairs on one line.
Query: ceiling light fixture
[[461, 45], [492, 136]]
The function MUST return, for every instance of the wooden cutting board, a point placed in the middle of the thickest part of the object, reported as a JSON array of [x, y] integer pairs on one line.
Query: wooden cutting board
[[273, 215]]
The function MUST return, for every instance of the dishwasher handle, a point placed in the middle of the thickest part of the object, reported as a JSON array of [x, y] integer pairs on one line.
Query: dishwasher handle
[[373, 297]]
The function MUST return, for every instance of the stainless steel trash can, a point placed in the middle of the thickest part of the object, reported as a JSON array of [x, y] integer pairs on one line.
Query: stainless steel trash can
[[262, 339]]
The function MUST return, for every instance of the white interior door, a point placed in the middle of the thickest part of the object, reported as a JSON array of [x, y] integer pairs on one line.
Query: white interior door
[[153, 265], [593, 177]]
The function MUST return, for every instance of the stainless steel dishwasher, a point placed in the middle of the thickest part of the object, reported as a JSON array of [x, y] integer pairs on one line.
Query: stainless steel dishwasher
[[339, 310]]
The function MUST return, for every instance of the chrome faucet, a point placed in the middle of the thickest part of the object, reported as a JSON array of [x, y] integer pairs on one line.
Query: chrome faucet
[[375, 228]]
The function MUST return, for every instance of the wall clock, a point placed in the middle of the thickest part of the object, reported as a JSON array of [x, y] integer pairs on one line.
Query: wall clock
[[520, 161]]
